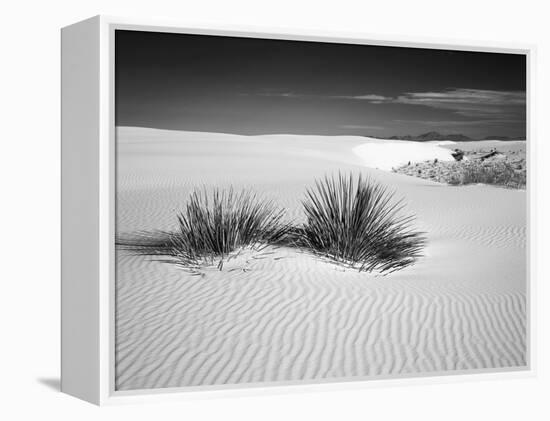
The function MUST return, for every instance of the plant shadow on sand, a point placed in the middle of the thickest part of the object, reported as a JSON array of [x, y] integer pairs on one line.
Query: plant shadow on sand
[[350, 220]]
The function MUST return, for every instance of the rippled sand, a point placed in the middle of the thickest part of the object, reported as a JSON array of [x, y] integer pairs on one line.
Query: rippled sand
[[292, 316]]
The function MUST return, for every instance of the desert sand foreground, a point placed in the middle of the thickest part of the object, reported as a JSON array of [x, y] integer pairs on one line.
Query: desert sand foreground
[[292, 316]]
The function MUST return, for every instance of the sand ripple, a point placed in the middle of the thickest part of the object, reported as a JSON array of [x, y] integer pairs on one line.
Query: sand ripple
[[293, 316], [287, 320]]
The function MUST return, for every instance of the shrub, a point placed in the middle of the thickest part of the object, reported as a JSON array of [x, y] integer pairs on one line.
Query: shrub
[[358, 223], [497, 172], [502, 173], [213, 225]]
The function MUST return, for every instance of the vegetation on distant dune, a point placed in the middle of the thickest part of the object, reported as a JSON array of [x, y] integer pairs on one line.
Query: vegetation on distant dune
[[501, 173], [355, 221], [474, 171]]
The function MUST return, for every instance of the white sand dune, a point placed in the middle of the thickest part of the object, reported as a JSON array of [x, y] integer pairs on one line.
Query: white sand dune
[[441, 142], [388, 154], [295, 317]]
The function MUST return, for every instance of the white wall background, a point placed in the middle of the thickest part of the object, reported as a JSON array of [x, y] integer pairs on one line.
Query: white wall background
[[29, 230]]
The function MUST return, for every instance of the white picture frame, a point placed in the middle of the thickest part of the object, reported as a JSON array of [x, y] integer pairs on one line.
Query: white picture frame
[[88, 212]]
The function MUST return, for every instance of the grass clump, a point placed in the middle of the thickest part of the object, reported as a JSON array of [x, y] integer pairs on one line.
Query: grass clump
[[351, 220], [213, 225], [355, 221]]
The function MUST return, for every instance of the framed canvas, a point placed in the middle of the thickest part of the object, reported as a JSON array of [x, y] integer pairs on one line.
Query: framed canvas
[[243, 210]]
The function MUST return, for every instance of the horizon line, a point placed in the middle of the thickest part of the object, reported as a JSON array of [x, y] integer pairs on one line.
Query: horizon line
[[511, 138]]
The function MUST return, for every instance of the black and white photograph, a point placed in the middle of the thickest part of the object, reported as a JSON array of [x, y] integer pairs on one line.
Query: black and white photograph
[[296, 211]]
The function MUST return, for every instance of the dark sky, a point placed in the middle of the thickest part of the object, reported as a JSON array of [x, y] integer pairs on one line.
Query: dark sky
[[255, 86]]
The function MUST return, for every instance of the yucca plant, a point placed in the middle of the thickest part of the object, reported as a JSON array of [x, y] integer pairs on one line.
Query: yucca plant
[[355, 221], [213, 225]]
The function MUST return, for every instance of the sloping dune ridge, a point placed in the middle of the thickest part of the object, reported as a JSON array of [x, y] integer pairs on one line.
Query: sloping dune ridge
[[295, 317]]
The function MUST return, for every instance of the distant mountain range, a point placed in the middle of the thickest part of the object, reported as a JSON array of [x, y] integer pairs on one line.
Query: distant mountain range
[[455, 137], [426, 137], [503, 138]]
